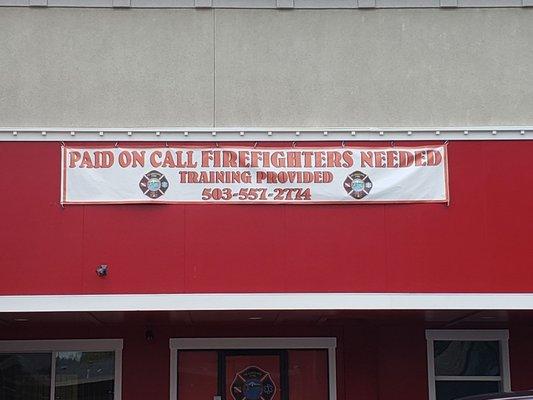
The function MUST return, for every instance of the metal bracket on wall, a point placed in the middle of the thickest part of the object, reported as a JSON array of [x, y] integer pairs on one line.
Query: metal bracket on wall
[[121, 3], [285, 4], [203, 3], [366, 3], [449, 3]]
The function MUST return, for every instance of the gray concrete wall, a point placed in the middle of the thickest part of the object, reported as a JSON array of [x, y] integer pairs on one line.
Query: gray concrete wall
[[135, 68]]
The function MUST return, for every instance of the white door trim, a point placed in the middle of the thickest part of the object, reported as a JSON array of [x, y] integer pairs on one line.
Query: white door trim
[[289, 343]]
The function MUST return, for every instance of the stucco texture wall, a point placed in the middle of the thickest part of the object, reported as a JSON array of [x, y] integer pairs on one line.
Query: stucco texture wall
[[275, 68]]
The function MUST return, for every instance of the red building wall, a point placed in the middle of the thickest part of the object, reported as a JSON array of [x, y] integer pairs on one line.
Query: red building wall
[[480, 243]]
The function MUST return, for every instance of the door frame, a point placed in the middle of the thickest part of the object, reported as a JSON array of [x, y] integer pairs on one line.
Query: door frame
[[264, 343]]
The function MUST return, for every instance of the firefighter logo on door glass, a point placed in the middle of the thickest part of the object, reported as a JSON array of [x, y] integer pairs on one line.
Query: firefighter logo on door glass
[[358, 185], [253, 383], [154, 184]]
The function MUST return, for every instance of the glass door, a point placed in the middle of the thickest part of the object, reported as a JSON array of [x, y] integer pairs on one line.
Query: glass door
[[253, 375]]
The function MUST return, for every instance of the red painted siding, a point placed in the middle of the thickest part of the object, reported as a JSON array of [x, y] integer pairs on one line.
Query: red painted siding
[[480, 243]]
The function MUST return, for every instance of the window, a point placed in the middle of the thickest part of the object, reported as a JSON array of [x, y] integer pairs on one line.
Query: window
[[60, 369], [464, 363]]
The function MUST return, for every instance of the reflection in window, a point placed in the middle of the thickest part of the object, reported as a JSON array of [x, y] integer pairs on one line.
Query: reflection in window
[[466, 358], [25, 376], [467, 367], [85, 376]]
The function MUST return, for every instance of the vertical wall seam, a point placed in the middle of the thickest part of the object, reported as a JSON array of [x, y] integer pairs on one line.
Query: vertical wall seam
[[214, 67], [83, 266], [185, 271]]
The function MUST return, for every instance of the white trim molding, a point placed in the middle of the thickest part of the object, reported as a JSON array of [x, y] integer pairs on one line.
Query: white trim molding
[[250, 134], [502, 336], [259, 343], [253, 343], [470, 334], [25, 346], [267, 301], [269, 4], [55, 346]]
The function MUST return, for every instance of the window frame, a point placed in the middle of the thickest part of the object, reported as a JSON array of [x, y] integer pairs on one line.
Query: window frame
[[478, 335], [268, 343], [55, 346]]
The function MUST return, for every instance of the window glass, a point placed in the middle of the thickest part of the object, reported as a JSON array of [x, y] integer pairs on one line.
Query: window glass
[[25, 376], [451, 390], [85, 376], [197, 374], [466, 358], [308, 374]]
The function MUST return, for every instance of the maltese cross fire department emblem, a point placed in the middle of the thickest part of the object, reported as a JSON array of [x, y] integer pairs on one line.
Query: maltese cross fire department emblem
[[357, 185], [253, 384], [154, 184]]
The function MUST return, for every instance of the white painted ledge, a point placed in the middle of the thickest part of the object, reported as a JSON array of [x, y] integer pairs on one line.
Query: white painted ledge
[[279, 4], [223, 134], [268, 301]]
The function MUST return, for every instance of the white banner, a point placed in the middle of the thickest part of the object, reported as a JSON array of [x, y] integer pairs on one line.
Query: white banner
[[347, 175]]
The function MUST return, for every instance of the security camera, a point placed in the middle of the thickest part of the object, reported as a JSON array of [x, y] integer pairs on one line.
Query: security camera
[[101, 270]]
